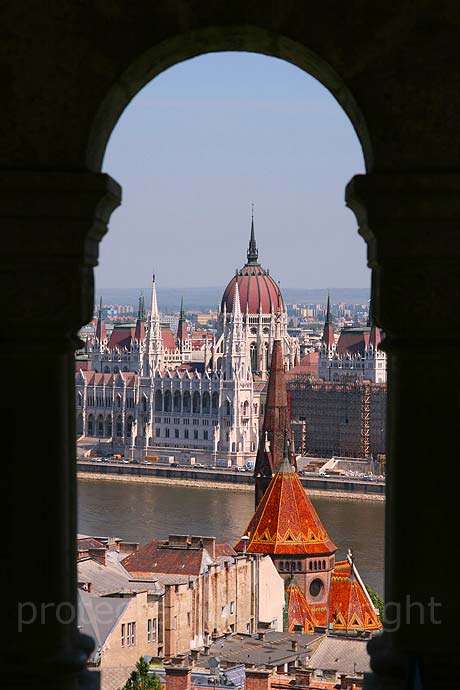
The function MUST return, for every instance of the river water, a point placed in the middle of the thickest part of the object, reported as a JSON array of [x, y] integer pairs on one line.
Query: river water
[[140, 512]]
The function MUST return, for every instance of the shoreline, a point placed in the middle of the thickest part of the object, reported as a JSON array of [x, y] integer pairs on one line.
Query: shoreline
[[206, 484]]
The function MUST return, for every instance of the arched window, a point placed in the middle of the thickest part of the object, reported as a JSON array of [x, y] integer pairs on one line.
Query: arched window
[[245, 409], [233, 447], [324, 565], [315, 565], [119, 427], [90, 425], [215, 402], [219, 363], [118, 401], [100, 426], [177, 401], [267, 363], [106, 369], [186, 402], [158, 401], [281, 565], [129, 426], [144, 403], [253, 355], [228, 408], [205, 403], [196, 402], [299, 565], [79, 399], [167, 401], [108, 426], [310, 566], [80, 424]]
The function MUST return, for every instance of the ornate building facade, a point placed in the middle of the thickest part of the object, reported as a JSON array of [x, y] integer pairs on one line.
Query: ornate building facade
[[356, 354], [147, 391]]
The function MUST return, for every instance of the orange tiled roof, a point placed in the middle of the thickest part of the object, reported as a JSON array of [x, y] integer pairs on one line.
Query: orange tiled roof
[[285, 521], [350, 607], [299, 611]]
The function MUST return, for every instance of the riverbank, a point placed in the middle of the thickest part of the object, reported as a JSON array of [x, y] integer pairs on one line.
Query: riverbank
[[320, 487]]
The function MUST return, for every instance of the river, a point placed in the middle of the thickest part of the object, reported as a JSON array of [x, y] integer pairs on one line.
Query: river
[[140, 512]]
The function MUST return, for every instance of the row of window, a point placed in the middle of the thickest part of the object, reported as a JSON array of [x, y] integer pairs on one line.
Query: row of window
[[185, 421], [128, 632], [177, 402], [291, 566], [186, 434]]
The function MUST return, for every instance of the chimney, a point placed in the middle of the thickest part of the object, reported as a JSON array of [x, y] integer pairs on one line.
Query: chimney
[[257, 679], [128, 546], [195, 654], [261, 635], [294, 645], [178, 677], [206, 650], [182, 540], [98, 555], [303, 677]]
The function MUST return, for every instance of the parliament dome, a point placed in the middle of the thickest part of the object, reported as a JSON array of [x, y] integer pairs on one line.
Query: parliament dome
[[257, 289]]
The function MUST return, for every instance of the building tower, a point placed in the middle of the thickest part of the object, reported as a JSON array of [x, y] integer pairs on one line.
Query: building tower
[[328, 348], [154, 351], [276, 425]]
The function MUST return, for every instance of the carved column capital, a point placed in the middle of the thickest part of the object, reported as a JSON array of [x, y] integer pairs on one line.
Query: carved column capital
[[411, 224], [52, 225]]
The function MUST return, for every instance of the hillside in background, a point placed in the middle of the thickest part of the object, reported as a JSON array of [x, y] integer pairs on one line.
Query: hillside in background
[[204, 299]]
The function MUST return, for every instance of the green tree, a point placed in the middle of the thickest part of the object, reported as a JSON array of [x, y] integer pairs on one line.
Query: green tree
[[377, 601], [140, 679]]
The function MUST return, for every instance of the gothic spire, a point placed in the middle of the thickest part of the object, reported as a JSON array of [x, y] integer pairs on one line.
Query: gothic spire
[[182, 325], [101, 333], [328, 332], [253, 252]]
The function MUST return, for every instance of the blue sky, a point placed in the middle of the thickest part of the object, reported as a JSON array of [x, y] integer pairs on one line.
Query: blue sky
[[205, 140]]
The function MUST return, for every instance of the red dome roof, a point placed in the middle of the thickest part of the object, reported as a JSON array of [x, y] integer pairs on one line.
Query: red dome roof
[[257, 290]]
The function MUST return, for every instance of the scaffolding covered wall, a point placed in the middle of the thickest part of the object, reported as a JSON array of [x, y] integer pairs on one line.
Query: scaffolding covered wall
[[344, 418]]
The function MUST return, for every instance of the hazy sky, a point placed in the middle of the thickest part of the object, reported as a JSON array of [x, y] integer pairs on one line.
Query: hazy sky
[[203, 141]]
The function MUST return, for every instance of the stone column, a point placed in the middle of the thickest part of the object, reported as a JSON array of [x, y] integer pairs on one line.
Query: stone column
[[51, 227], [412, 227]]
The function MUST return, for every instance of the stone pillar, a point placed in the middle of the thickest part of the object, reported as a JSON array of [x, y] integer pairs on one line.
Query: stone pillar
[[51, 227], [412, 227]]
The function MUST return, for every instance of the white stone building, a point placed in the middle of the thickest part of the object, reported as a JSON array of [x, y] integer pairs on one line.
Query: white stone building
[[149, 392]]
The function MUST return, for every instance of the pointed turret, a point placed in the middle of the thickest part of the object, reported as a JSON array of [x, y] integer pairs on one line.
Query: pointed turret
[[300, 616], [285, 521], [139, 333], [328, 333], [101, 334], [276, 424], [154, 350], [182, 334], [253, 252]]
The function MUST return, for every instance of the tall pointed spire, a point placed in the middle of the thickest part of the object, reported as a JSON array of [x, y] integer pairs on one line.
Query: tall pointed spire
[[328, 333], [253, 252], [101, 333], [139, 333], [276, 425], [236, 311], [182, 334], [154, 350]]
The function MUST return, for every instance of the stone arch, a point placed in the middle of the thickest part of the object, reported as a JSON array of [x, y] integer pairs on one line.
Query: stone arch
[[90, 425], [215, 402], [177, 401], [196, 404], [188, 43], [100, 425], [186, 402], [158, 401], [206, 403], [167, 401]]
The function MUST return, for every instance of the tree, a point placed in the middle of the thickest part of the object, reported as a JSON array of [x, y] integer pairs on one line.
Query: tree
[[140, 679], [377, 601]]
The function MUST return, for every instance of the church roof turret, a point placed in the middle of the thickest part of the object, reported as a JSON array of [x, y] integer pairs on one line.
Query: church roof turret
[[328, 332], [101, 333], [182, 334], [285, 521], [253, 252]]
